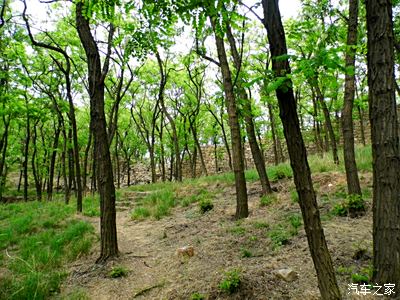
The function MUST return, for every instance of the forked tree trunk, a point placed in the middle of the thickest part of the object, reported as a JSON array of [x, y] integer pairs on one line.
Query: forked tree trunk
[[385, 144], [248, 119], [242, 210], [353, 183], [108, 228], [298, 156]]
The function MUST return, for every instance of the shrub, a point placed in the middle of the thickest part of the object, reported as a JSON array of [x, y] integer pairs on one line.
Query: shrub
[[353, 206], [231, 282], [205, 205], [118, 271]]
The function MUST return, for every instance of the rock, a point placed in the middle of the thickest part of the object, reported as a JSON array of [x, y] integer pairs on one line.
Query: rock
[[286, 274], [186, 251]]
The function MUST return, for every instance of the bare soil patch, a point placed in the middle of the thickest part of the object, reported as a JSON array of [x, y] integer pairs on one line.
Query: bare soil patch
[[155, 271]]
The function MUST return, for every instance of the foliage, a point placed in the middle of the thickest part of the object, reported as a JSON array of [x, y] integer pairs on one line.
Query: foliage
[[353, 206], [359, 278], [231, 282]]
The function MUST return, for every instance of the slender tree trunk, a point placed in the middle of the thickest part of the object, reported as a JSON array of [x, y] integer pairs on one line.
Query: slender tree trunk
[[353, 183], [108, 228], [242, 210], [275, 143], [362, 130], [26, 153], [328, 122], [85, 163], [258, 158], [3, 148], [385, 144], [57, 130], [67, 193], [36, 176], [298, 157]]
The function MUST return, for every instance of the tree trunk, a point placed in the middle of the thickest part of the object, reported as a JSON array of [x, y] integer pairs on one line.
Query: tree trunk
[[385, 144], [242, 210], [36, 176], [64, 167], [57, 130], [3, 149], [362, 130], [248, 119], [108, 228], [85, 163], [26, 153], [353, 183], [298, 157], [275, 143], [163, 82], [328, 123]]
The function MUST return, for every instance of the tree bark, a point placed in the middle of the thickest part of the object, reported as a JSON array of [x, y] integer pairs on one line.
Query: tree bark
[[242, 210], [385, 143], [298, 157], [353, 183], [108, 228], [26, 152]]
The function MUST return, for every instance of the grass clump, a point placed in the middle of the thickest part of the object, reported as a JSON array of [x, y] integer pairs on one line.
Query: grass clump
[[205, 205], [140, 213], [267, 200], [231, 282], [39, 237], [359, 278], [294, 196], [279, 236], [197, 296], [245, 253], [118, 271], [91, 206]]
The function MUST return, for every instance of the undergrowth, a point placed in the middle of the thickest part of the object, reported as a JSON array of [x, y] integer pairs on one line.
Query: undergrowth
[[38, 238]]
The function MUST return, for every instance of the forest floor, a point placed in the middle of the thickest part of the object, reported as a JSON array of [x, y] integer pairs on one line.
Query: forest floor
[[256, 247]]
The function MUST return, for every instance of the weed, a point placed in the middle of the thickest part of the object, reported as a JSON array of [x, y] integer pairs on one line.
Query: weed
[[260, 224], [205, 205], [197, 296], [359, 278], [279, 236], [353, 206], [231, 282], [295, 220], [118, 271], [91, 206], [246, 253], [239, 230], [294, 196], [345, 270], [140, 213], [266, 200]]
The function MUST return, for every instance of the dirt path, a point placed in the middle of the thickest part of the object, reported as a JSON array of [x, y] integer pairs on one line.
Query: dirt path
[[148, 250]]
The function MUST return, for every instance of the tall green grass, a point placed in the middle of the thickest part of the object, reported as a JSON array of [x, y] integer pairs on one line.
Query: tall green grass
[[36, 240]]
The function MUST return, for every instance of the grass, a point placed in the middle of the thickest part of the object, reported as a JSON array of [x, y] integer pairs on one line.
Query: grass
[[38, 238], [231, 282], [156, 204], [91, 206]]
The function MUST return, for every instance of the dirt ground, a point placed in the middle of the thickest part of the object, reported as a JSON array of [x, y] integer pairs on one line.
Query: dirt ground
[[155, 270]]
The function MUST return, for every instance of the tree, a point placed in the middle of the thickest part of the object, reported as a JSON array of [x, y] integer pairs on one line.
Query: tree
[[297, 153], [385, 143], [237, 150], [353, 183], [105, 180]]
